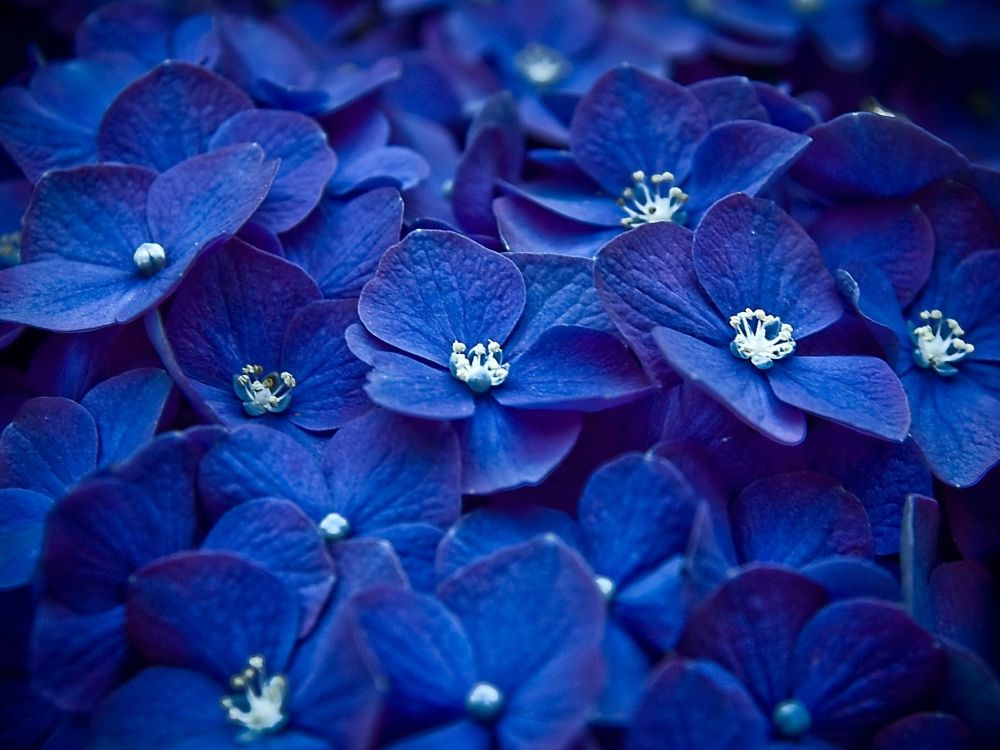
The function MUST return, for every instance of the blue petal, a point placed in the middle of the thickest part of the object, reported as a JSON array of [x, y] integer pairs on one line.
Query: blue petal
[[329, 377], [973, 299], [748, 253], [573, 367], [926, 731], [22, 524], [77, 658], [39, 139], [631, 120], [532, 659], [862, 393], [464, 734], [434, 288], [729, 98], [503, 448], [408, 386], [211, 611], [167, 116], [49, 445], [383, 469], [127, 409], [340, 243], [627, 668], [241, 466], [859, 664], [424, 653], [635, 512], [281, 539], [415, 544], [483, 532], [529, 228], [850, 577], [306, 161], [739, 157], [736, 383], [364, 564]]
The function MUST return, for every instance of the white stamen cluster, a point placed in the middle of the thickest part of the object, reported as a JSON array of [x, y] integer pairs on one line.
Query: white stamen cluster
[[645, 203], [149, 258], [482, 368], [263, 393], [938, 343], [761, 338], [260, 707], [541, 66]]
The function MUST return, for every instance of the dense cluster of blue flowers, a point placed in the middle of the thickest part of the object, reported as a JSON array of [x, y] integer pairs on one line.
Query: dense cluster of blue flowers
[[501, 374]]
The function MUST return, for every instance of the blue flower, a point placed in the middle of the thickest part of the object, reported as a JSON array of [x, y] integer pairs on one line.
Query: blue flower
[[643, 150], [728, 306], [178, 110], [508, 651], [461, 338], [382, 476], [250, 337], [105, 244], [794, 668]]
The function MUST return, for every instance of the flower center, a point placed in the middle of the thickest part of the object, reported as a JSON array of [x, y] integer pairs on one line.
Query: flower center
[[483, 367], [149, 258], [335, 527], [541, 66], [938, 343], [606, 586], [761, 338], [259, 708], [791, 718], [645, 203], [263, 393], [10, 249], [484, 702]]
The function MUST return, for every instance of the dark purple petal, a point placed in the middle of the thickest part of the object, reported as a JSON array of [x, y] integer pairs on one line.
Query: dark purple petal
[[278, 537], [867, 155], [699, 706], [739, 157], [383, 469], [211, 611], [799, 518], [329, 377], [50, 444], [408, 386], [504, 448], [306, 161], [862, 393], [340, 243], [736, 383], [554, 651], [167, 116], [859, 664], [926, 731], [750, 626], [748, 253], [631, 120], [434, 288]]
